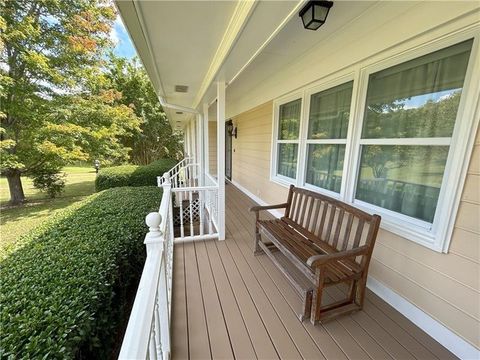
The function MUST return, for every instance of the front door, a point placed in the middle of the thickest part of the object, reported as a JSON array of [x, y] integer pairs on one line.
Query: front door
[[228, 150]]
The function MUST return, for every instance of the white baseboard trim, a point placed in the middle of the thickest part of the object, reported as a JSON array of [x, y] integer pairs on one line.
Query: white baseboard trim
[[432, 327], [276, 213]]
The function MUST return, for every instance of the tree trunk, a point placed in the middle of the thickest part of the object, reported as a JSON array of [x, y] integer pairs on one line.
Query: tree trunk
[[16, 189]]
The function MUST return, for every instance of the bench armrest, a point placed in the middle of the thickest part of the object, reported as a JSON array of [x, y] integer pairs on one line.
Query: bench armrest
[[317, 260], [268, 207]]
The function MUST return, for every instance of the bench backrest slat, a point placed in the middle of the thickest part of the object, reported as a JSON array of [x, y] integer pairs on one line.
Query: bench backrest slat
[[324, 219], [348, 230], [359, 232], [339, 227], [332, 213]]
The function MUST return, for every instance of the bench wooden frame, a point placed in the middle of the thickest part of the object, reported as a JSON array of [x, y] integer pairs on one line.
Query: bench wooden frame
[[314, 246]]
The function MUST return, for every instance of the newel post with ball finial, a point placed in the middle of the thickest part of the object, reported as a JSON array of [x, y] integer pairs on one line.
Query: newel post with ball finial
[[154, 238]]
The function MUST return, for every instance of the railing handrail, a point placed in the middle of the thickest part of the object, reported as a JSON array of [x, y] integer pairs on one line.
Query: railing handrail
[[137, 342], [148, 330], [195, 188], [137, 336], [180, 169]]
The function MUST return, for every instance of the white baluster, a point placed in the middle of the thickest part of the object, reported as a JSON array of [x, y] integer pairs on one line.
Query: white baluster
[[210, 213], [180, 195], [190, 201], [201, 204]]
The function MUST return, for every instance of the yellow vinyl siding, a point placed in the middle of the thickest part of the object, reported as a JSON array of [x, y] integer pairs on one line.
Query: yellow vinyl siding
[[446, 286], [251, 154]]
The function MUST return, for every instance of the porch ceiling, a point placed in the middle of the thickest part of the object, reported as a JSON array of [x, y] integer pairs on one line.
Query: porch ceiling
[[194, 43]]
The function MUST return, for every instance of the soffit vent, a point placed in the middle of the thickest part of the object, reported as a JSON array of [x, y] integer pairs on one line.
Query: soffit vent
[[181, 88]]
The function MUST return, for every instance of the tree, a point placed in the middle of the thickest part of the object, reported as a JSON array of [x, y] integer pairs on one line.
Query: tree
[[157, 139], [51, 108], [395, 120]]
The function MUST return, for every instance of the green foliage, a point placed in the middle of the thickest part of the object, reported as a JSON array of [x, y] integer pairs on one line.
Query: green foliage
[[67, 287], [132, 175], [49, 180], [157, 140], [53, 105]]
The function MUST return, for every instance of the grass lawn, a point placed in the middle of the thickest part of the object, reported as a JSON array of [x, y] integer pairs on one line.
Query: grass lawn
[[19, 220]]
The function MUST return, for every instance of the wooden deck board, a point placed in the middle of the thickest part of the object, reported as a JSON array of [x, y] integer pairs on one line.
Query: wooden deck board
[[239, 337], [259, 335], [198, 337], [230, 304], [220, 347], [297, 339], [179, 307]]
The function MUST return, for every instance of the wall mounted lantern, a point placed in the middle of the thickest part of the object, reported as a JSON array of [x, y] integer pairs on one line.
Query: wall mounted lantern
[[314, 14], [231, 130]]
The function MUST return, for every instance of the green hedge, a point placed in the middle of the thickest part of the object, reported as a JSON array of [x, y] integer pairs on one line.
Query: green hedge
[[132, 175], [66, 293]]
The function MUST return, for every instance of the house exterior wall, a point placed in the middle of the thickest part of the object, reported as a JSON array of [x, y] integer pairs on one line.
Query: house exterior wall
[[445, 286]]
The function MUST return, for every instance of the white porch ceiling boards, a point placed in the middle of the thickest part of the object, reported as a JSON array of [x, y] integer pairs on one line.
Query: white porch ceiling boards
[[186, 42]]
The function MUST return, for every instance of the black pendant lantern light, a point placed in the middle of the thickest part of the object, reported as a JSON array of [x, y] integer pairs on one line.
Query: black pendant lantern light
[[314, 14]]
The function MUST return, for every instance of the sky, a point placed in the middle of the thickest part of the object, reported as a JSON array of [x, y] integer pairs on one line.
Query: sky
[[119, 36]]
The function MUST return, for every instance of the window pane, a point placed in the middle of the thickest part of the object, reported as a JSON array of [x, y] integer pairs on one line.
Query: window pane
[[329, 112], [405, 179], [287, 160], [325, 166], [418, 98], [289, 120]]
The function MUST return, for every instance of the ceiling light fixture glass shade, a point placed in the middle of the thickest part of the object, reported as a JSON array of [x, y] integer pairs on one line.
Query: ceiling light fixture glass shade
[[314, 14]]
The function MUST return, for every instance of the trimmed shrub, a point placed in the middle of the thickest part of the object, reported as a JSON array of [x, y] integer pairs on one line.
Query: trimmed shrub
[[68, 290], [132, 175], [51, 181]]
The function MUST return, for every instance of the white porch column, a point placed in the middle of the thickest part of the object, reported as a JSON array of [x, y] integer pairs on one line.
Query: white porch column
[[186, 144], [205, 139], [193, 146], [200, 147], [221, 158]]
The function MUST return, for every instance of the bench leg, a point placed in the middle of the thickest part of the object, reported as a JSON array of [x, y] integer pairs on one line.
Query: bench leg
[[306, 306], [317, 296], [360, 291], [352, 291], [258, 250], [356, 292]]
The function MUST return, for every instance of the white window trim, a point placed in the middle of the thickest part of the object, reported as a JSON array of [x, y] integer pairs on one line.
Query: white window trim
[[437, 235], [326, 85], [274, 176]]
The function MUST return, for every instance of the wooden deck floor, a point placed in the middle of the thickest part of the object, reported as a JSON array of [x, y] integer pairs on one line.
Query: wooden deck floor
[[229, 304]]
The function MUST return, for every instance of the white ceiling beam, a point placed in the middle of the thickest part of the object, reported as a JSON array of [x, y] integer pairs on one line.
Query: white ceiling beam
[[239, 18]]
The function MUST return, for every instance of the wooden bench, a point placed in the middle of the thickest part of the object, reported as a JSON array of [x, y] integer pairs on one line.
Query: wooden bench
[[319, 242]]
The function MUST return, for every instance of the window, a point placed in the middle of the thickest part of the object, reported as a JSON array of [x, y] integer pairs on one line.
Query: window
[[288, 138], [408, 123], [402, 142], [327, 136]]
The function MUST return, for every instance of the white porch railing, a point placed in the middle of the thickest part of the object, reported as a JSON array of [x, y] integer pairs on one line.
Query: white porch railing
[[148, 330], [184, 174], [187, 212], [198, 214]]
